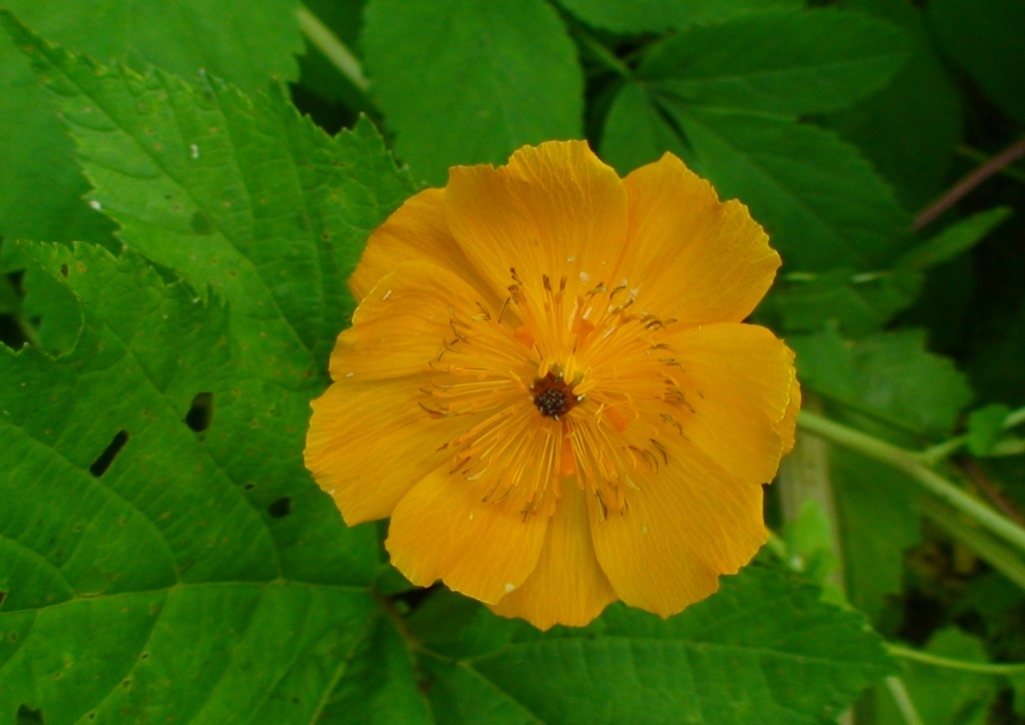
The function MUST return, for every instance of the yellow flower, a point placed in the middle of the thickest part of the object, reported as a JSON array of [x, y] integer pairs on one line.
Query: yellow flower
[[548, 388]]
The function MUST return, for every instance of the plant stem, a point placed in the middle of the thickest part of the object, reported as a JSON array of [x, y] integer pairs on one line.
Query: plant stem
[[28, 331], [962, 188], [983, 668], [903, 701], [934, 454], [333, 49], [911, 464], [996, 554]]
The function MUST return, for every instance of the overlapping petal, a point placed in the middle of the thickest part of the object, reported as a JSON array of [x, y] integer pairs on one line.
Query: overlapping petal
[[555, 210], [568, 585], [693, 258], [442, 529], [687, 523]]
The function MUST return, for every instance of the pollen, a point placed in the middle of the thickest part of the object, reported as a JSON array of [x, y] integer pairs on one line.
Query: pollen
[[552, 396]]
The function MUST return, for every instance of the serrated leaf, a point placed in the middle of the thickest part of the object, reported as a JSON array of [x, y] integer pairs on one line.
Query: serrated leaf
[[820, 201], [243, 196], [856, 304], [655, 16], [763, 650], [784, 63], [943, 695], [890, 375], [985, 426], [984, 38], [491, 75], [157, 564], [909, 129], [247, 43], [956, 239]]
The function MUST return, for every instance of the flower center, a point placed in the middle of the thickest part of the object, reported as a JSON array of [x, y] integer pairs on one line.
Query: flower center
[[552, 396]]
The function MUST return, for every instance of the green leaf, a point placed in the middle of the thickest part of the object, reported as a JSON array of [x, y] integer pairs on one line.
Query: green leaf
[[655, 16], [984, 38], [809, 545], [942, 695], [909, 129], [890, 375], [762, 650], [985, 426], [856, 304], [890, 384], [785, 63], [956, 239], [242, 196], [491, 76], [159, 563], [248, 43], [822, 204]]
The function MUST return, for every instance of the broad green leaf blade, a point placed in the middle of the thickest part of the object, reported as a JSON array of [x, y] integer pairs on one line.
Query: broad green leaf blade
[[490, 76], [637, 132], [763, 650], [246, 42], [787, 63], [909, 129], [820, 201], [984, 38], [955, 239], [156, 562], [655, 16], [244, 196], [856, 304], [943, 695], [893, 386]]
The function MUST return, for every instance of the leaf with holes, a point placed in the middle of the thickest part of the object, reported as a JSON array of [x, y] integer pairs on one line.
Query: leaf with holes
[[163, 552], [242, 195]]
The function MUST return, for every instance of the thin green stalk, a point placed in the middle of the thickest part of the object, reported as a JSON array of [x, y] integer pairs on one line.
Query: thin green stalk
[[601, 53], [934, 454], [333, 49], [1000, 557], [982, 668], [911, 464], [903, 701]]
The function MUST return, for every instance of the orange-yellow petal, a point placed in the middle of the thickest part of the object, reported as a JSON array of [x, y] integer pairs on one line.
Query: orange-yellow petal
[[692, 257], [737, 381], [687, 524], [554, 210], [369, 443], [568, 586], [443, 530], [403, 324], [416, 231]]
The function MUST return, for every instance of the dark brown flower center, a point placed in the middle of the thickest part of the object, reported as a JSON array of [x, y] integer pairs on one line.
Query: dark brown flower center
[[552, 396]]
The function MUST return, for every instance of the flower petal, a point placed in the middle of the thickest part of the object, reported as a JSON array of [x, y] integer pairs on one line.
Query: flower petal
[[688, 523], [737, 380], [554, 210], [691, 257], [369, 443], [417, 230], [403, 323], [443, 530], [568, 586]]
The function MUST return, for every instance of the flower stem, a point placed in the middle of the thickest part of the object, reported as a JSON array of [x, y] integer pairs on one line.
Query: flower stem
[[902, 699], [911, 463], [934, 454], [982, 668], [333, 49], [999, 162]]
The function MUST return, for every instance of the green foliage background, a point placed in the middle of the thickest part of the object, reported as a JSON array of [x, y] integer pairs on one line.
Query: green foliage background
[[185, 189]]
